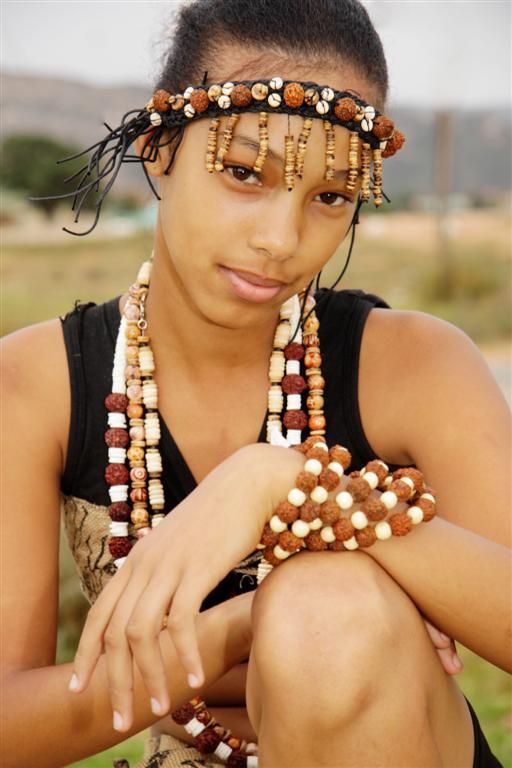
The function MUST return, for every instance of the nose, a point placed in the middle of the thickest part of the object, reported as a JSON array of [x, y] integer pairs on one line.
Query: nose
[[278, 228]]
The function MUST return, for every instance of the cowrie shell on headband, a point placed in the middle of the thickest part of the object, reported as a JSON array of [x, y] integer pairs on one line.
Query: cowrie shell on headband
[[311, 97], [214, 91], [322, 107], [227, 88], [274, 100], [189, 110], [259, 91], [224, 101], [366, 125], [276, 83], [155, 118], [369, 113], [187, 93], [327, 94]]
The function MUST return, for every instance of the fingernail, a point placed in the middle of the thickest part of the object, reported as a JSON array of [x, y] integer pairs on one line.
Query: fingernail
[[117, 721], [457, 663], [193, 680], [156, 707], [73, 683]]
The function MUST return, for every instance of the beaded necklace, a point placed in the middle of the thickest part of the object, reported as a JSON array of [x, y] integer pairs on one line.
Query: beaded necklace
[[133, 435]]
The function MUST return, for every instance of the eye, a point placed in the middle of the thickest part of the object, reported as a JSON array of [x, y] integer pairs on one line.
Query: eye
[[238, 171], [338, 200]]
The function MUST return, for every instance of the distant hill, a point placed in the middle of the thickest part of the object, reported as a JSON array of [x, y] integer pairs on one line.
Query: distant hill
[[74, 111]]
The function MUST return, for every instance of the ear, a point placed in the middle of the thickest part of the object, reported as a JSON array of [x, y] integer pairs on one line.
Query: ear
[[157, 167]]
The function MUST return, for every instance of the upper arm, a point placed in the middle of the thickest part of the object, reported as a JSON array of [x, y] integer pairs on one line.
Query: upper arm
[[35, 420], [447, 415]]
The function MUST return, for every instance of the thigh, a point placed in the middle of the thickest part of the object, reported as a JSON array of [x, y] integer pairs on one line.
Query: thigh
[[327, 581]]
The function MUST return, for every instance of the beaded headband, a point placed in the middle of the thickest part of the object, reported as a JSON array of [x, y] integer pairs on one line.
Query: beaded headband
[[372, 134]]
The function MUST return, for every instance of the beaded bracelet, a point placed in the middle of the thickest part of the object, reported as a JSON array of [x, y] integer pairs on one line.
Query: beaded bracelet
[[309, 519], [211, 738]]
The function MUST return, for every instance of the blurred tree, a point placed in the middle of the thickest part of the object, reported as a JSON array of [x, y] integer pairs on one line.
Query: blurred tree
[[29, 165]]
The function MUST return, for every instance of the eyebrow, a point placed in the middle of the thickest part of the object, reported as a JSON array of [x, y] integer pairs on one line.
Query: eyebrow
[[247, 141]]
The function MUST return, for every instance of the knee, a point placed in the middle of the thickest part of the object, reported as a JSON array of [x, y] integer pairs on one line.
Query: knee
[[324, 618]]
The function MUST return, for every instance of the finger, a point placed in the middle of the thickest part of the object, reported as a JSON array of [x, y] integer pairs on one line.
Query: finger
[[439, 639], [181, 625], [450, 661], [118, 654], [90, 645], [143, 632]]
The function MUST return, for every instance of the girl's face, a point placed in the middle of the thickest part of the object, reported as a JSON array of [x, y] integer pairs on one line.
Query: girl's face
[[241, 221]]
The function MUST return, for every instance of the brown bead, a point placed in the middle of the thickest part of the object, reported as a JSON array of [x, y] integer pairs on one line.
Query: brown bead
[[234, 742], [366, 537], [116, 474], [268, 554], [293, 95], [320, 454], [161, 101], [132, 331], [317, 422], [135, 454], [400, 524], [414, 474], [293, 384], [184, 714], [337, 546], [309, 511], [315, 402], [289, 542], [378, 469], [199, 100], [395, 143], [268, 537], [314, 542], [286, 512], [117, 437], [138, 494], [329, 479], [119, 546], [402, 490], [241, 96], [207, 741], [306, 481], [311, 441], [312, 359], [236, 759], [383, 127], [354, 473], [374, 509], [119, 511], [358, 488], [316, 382], [293, 351], [204, 717], [345, 109], [343, 529], [329, 512], [340, 454], [428, 507], [116, 403], [135, 411], [295, 419], [311, 340]]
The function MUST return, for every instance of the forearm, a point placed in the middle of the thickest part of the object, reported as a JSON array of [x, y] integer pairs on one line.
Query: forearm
[[64, 727], [459, 580]]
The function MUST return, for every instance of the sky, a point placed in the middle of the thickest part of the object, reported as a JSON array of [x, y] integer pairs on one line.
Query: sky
[[440, 52]]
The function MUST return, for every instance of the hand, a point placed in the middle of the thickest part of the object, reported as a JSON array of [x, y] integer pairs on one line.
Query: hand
[[446, 649], [171, 571]]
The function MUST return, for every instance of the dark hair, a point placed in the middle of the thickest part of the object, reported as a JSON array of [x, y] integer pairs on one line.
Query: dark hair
[[308, 32]]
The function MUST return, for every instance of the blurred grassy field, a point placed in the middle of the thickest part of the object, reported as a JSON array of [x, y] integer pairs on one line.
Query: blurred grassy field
[[394, 256]]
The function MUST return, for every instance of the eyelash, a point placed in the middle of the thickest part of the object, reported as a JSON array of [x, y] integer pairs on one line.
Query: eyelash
[[256, 175]]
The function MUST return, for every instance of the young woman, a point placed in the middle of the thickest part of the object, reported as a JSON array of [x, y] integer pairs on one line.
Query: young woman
[[337, 659]]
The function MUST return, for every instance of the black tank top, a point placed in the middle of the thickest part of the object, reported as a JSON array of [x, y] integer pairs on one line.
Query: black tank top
[[90, 332]]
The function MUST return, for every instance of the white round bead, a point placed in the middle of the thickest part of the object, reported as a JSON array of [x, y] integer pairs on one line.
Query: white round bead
[[293, 402], [388, 480], [293, 367], [321, 445], [118, 529], [428, 496], [372, 479], [408, 481], [351, 543], [359, 520], [316, 524], [314, 466], [383, 530], [416, 515], [327, 534], [335, 466], [389, 499], [297, 497], [300, 528], [277, 525], [281, 553], [319, 494], [344, 500]]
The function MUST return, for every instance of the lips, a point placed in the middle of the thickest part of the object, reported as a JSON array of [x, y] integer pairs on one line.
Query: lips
[[256, 279]]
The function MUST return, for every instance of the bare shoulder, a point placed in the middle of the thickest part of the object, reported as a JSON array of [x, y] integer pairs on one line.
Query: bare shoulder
[[415, 370], [35, 377]]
